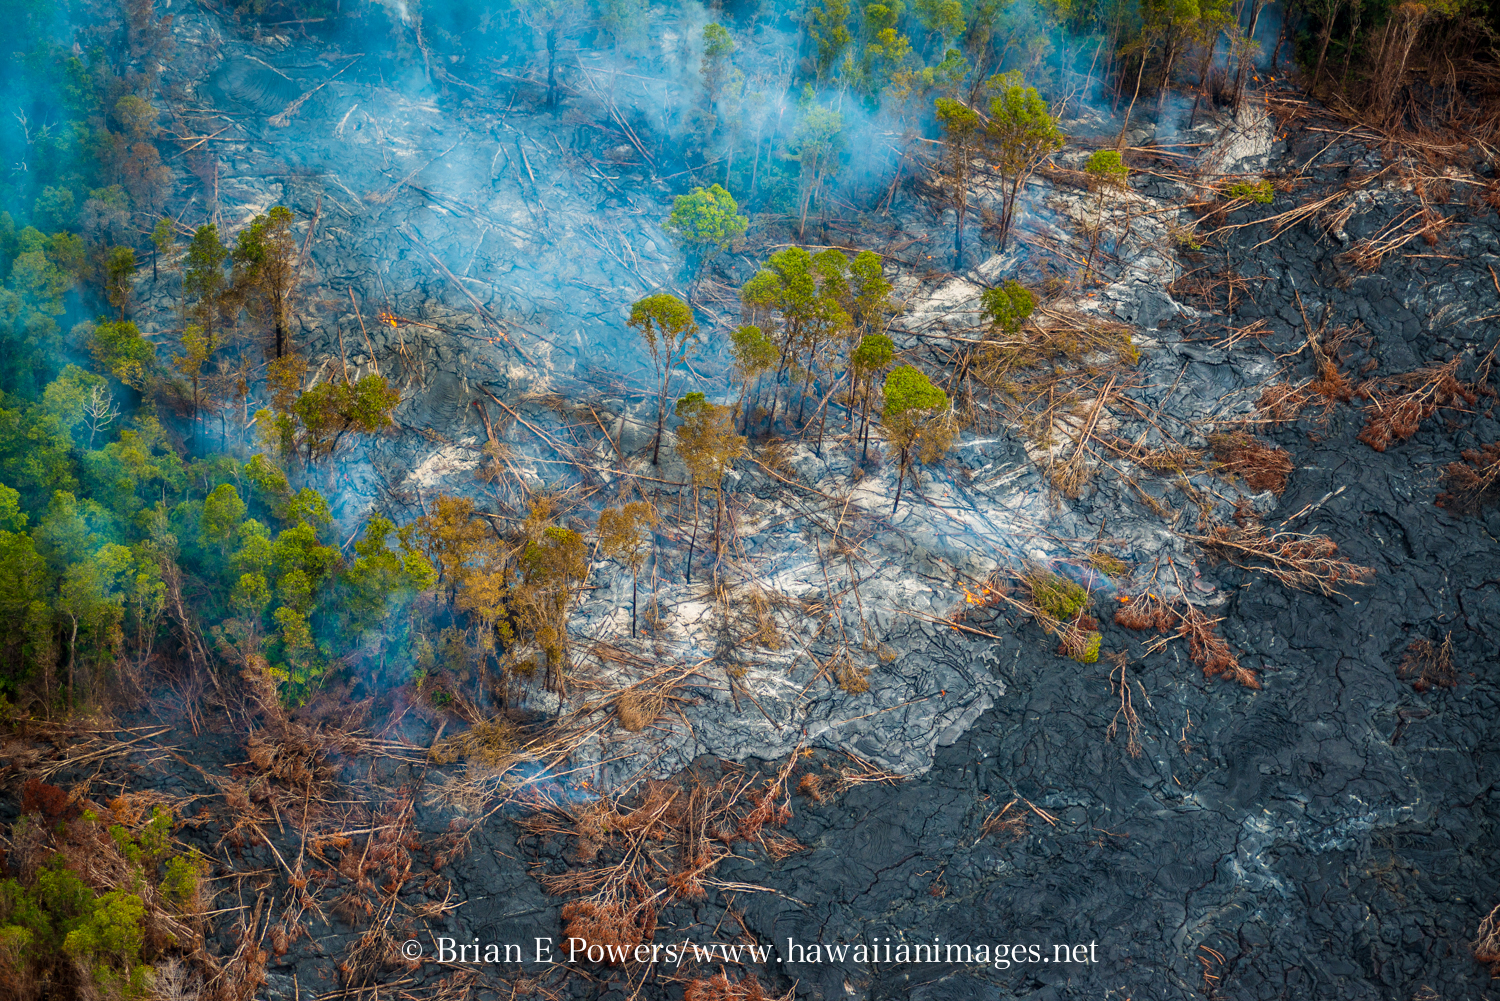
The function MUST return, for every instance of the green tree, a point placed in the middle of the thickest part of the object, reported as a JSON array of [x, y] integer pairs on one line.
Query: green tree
[[816, 142], [35, 276], [1107, 174], [754, 356], [119, 266], [92, 597], [162, 237], [963, 130], [705, 222], [872, 293], [943, 19], [717, 48], [1022, 134], [120, 350], [916, 421], [265, 269], [623, 533], [380, 580], [553, 561], [873, 353], [666, 324], [203, 281], [24, 583], [195, 351], [54, 208], [223, 512], [331, 411], [708, 446], [804, 297], [828, 27]]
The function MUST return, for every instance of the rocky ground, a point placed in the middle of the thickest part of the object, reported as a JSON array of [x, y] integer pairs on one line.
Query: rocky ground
[[1331, 834]]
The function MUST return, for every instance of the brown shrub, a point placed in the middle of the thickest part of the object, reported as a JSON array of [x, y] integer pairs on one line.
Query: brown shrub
[[1208, 649], [811, 786], [52, 802], [611, 926], [1264, 467], [1398, 406], [1487, 941], [1427, 663], [721, 988], [1145, 611], [1473, 483], [1305, 562]]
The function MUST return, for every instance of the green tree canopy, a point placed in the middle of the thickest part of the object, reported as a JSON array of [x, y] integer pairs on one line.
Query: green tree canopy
[[705, 222], [666, 324], [1022, 133], [1007, 306]]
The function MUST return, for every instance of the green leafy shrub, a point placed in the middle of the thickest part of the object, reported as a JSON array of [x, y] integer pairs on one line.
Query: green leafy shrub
[[1260, 191], [1057, 596], [1007, 306], [1090, 652]]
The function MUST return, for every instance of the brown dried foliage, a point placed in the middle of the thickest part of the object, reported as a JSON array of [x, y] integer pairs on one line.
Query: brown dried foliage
[[1398, 406], [1304, 562], [1427, 664], [1473, 483], [1004, 824], [1487, 941], [721, 988], [1264, 467], [1206, 647], [637, 858], [614, 926], [52, 802]]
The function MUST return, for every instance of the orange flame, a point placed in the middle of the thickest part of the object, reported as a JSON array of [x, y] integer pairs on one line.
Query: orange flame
[[388, 318]]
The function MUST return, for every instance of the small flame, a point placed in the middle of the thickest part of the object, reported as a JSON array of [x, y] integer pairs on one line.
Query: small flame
[[388, 318], [982, 598]]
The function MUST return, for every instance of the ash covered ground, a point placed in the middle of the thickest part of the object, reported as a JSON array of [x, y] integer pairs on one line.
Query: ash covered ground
[[1331, 833]]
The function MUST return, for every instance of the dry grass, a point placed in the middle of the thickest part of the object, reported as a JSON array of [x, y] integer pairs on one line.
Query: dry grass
[[639, 854], [1369, 254]]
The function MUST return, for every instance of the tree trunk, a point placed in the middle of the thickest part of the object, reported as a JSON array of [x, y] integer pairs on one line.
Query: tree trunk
[[718, 517], [900, 481], [1120, 142], [661, 413], [864, 428], [635, 580], [72, 658], [1239, 84], [692, 542]]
